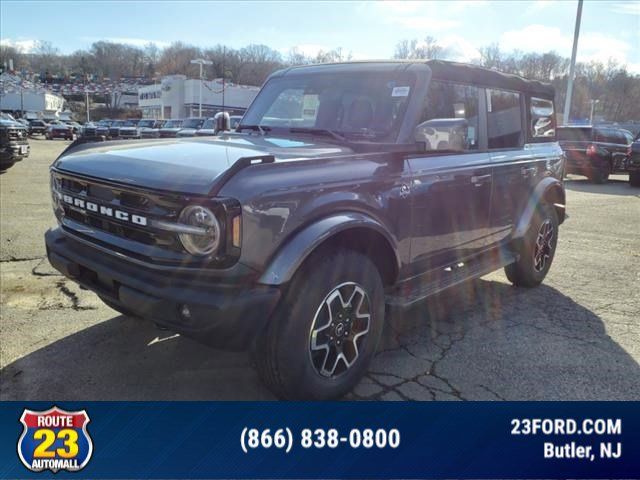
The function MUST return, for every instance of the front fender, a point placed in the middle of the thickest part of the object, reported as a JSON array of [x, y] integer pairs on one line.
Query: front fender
[[288, 259], [548, 188]]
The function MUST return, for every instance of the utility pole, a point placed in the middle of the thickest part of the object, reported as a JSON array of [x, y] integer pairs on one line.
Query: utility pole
[[224, 73], [201, 62], [593, 105], [576, 34], [21, 99], [86, 103]]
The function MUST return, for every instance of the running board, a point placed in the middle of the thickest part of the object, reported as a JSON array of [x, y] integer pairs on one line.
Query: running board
[[435, 281]]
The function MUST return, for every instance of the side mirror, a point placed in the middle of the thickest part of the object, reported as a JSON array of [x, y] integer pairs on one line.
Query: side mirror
[[442, 134], [223, 122]]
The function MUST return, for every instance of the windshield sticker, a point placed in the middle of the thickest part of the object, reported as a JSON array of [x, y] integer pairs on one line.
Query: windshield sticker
[[400, 91], [310, 107]]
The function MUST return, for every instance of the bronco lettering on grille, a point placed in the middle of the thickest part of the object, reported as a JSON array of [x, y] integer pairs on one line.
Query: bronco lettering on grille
[[104, 211]]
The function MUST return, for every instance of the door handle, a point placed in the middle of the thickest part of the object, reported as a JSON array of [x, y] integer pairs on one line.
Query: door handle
[[526, 171], [479, 180]]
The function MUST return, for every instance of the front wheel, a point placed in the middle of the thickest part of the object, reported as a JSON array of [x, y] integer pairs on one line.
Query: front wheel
[[325, 330], [536, 250]]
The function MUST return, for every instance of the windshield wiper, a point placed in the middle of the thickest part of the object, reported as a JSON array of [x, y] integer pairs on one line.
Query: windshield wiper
[[319, 131], [255, 128]]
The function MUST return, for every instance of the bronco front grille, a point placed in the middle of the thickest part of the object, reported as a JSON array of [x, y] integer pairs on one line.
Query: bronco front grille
[[92, 200], [17, 135]]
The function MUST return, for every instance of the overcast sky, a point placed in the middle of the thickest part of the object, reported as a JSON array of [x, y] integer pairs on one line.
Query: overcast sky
[[610, 29]]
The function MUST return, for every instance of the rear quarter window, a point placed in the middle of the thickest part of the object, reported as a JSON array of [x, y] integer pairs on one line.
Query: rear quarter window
[[542, 120]]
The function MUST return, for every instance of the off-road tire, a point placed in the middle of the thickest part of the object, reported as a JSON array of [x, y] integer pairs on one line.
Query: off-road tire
[[525, 272], [283, 352], [634, 179]]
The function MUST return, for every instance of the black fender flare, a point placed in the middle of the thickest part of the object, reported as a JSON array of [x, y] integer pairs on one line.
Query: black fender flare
[[288, 259], [542, 190]]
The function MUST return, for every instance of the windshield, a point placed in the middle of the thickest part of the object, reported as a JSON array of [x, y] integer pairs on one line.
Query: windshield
[[130, 123], [146, 123], [193, 123], [356, 105], [209, 124], [118, 123], [173, 124]]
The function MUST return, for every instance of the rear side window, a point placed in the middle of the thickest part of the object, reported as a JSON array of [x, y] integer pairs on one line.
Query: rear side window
[[573, 134], [447, 101], [542, 120], [605, 136], [504, 119]]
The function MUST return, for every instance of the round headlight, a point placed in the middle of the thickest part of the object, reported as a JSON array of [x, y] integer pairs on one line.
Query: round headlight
[[205, 242]]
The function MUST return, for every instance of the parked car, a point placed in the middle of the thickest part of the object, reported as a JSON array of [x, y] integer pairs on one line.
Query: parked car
[[130, 129], [208, 128], [58, 129], [396, 181], [37, 127], [595, 152], [14, 145], [633, 163], [75, 126], [170, 128], [190, 126], [114, 128], [150, 128]]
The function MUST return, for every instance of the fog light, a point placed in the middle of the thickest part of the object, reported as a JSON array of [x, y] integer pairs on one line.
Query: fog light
[[185, 313]]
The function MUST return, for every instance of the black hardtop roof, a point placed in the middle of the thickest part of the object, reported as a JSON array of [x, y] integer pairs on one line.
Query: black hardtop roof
[[440, 69]]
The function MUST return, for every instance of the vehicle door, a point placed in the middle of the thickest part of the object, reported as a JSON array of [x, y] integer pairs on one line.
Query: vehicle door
[[515, 168], [450, 191]]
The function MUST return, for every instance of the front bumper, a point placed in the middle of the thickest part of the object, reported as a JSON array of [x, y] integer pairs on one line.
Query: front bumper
[[227, 317], [14, 152], [633, 163]]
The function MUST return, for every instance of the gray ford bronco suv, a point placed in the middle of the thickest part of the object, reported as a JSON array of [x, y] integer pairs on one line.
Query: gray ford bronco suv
[[345, 188]]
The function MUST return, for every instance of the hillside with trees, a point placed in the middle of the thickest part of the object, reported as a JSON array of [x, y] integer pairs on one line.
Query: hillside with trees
[[616, 89]]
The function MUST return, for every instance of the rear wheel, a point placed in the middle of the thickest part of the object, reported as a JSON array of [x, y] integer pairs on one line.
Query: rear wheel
[[325, 329], [634, 179], [536, 250]]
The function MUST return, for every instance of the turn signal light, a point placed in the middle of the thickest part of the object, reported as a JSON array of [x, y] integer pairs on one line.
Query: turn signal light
[[236, 231]]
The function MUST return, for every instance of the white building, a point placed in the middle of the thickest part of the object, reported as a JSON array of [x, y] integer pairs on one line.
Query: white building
[[177, 97], [31, 101]]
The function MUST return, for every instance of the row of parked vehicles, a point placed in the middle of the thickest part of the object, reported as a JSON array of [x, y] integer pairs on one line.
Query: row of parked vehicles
[[153, 128]]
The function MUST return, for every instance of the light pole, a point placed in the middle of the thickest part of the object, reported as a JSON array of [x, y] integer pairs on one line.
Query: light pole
[[572, 67], [201, 62], [593, 106]]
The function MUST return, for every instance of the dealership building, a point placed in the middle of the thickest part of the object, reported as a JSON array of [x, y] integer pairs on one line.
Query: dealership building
[[179, 97]]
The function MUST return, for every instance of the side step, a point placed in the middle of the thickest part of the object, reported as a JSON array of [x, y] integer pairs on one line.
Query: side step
[[435, 281]]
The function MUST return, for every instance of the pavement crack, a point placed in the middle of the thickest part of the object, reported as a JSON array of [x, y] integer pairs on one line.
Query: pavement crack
[[493, 392], [75, 301], [21, 259], [35, 273]]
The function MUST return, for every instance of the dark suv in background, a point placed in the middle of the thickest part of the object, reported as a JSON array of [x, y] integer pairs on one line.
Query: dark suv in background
[[13, 143], [595, 152], [633, 163]]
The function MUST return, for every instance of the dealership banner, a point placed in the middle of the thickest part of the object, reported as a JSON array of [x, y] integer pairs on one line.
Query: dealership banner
[[320, 440]]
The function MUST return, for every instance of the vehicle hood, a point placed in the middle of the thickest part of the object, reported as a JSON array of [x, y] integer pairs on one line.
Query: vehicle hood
[[188, 165]]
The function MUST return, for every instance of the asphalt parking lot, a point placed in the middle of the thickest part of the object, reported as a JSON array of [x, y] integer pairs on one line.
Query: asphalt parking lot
[[576, 337]]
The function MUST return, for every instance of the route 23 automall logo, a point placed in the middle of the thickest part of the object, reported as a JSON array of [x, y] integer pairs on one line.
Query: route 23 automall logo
[[55, 440]]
